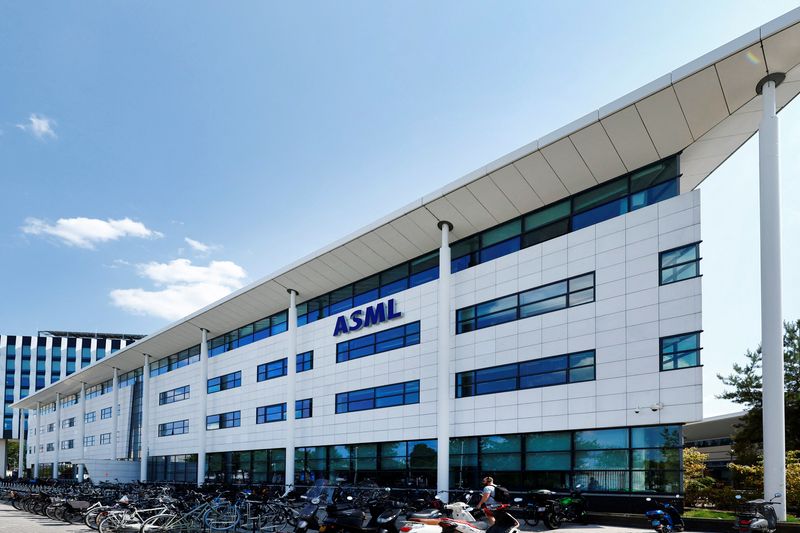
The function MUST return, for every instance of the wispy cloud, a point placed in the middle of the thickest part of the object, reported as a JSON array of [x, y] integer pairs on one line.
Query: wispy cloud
[[86, 232], [39, 126], [198, 246], [181, 287]]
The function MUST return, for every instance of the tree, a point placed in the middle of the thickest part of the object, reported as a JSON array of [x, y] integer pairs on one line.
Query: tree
[[747, 385], [12, 454], [696, 483], [753, 476]]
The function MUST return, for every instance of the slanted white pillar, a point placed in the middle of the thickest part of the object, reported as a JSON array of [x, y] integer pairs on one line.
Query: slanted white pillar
[[82, 432], [114, 415], [145, 432], [203, 393], [22, 444], [443, 367], [771, 312], [57, 447], [37, 441], [291, 386]]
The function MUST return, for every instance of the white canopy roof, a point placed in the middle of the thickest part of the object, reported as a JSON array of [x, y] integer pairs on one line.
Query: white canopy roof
[[705, 109]]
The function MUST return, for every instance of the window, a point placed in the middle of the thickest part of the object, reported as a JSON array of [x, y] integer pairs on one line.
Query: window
[[383, 341], [105, 438], [99, 390], [378, 397], [51, 427], [174, 395], [228, 381], [88, 441], [260, 329], [305, 361], [272, 370], [680, 351], [271, 413], [173, 428], [67, 444], [86, 352], [129, 378], [223, 420], [570, 368], [90, 417], [302, 408], [175, 361], [70, 400], [105, 413], [51, 446], [68, 422], [570, 292], [679, 264]]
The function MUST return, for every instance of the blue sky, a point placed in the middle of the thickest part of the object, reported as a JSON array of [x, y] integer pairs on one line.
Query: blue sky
[[263, 131]]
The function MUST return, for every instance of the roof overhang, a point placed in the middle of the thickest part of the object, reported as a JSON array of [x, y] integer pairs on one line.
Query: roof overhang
[[705, 109]]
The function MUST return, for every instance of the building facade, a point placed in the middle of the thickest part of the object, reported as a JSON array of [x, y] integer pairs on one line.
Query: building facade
[[538, 320], [30, 363]]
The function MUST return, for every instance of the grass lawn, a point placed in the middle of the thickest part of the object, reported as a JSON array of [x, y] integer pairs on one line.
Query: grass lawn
[[722, 515]]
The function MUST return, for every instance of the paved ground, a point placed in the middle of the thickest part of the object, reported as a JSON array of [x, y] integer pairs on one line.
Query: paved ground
[[13, 521]]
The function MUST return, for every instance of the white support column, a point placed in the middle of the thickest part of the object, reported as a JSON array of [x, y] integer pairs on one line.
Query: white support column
[[443, 367], [291, 387], [203, 393], [38, 440], [57, 447], [114, 414], [82, 431], [145, 431], [771, 312], [22, 444]]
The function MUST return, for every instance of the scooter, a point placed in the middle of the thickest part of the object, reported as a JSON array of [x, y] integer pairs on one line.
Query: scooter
[[428, 520], [756, 515], [317, 496], [666, 519], [504, 522]]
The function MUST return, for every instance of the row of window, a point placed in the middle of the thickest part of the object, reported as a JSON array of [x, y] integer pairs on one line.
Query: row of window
[[99, 390], [569, 368], [638, 459], [173, 395], [378, 397], [383, 341], [264, 415], [569, 292]]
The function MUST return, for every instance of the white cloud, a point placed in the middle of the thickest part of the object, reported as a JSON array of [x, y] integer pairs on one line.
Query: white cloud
[[198, 246], [39, 126], [86, 232], [183, 287]]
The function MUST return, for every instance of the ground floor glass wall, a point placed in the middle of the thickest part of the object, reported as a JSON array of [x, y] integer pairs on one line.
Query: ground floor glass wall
[[617, 460], [642, 459], [174, 468]]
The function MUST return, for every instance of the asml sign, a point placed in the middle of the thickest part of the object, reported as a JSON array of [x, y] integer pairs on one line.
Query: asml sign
[[374, 314]]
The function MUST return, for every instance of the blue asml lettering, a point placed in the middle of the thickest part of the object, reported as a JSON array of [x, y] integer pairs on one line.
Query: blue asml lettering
[[372, 315]]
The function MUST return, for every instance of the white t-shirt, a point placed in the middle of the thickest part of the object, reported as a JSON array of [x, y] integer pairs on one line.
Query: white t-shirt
[[489, 489]]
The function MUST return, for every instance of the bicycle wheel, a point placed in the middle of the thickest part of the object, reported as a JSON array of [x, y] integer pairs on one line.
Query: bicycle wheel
[[222, 518], [161, 522], [112, 523]]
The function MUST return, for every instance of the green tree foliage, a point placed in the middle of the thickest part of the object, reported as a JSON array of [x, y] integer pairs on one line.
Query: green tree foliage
[[746, 390], [12, 454]]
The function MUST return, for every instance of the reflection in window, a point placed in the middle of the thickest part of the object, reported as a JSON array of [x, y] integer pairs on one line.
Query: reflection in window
[[680, 351], [680, 264]]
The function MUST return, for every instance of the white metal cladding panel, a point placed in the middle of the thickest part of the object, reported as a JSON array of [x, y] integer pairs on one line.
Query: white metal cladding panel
[[623, 325]]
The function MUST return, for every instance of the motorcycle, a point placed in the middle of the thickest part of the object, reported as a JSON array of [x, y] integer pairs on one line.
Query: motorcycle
[[573, 507], [756, 515], [665, 519], [544, 507]]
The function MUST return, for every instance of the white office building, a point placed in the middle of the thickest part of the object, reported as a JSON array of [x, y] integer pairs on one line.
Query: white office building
[[538, 320]]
